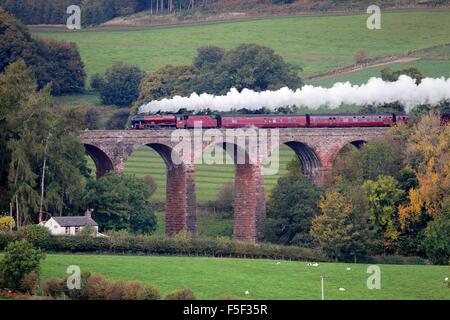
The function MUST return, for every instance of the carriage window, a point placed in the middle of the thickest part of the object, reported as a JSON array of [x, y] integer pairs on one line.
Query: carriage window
[[233, 120], [372, 119], [355, 119], [364, 119], [345, 119]]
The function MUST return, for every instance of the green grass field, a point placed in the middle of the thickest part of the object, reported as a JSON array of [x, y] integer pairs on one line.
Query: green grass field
[[87, 98], [209, 178], [431, 68], [212, 278], [316, 43]]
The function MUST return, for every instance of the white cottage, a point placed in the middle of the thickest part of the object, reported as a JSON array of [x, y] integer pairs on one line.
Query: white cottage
[[70, 225]]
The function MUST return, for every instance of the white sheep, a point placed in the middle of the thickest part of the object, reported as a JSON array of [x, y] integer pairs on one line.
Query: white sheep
[[310, 264]]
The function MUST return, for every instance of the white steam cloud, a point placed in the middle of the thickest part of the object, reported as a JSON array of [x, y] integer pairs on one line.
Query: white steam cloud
[[374, 92]]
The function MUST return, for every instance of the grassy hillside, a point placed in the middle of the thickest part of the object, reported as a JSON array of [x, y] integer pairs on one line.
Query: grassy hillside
[[209, 178], [212, 278], [431, 68], [316, 43]]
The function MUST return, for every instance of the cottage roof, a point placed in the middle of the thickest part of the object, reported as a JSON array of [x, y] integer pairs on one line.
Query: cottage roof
[[80, 221]]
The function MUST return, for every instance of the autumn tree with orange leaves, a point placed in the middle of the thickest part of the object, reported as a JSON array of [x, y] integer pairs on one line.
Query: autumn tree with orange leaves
[[428, 154]]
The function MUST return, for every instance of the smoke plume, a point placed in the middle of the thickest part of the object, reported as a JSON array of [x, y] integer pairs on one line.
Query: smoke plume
[[374, 92]]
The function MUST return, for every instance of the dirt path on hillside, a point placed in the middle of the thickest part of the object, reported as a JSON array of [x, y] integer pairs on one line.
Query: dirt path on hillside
[[357, 68]]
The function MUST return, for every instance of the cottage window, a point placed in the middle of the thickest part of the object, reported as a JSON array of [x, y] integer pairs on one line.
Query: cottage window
[[67, 230]]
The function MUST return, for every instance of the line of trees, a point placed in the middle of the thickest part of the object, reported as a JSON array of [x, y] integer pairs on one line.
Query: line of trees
[[98, 11], [39, 11], [93, 11], [55, 62]]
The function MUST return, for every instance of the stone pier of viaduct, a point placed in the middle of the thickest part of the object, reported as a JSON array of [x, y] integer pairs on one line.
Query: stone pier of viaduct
[[315, 147]]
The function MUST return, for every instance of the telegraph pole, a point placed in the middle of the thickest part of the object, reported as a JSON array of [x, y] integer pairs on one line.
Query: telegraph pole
[[321, 287]]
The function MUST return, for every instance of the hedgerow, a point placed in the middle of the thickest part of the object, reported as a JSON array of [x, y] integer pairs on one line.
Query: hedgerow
[[161, 245]]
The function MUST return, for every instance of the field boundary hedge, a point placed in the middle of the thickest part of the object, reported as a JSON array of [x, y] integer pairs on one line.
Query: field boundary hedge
[[160, 245]]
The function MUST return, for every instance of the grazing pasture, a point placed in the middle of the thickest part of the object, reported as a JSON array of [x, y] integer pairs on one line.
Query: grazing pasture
[[431, 68], [315, 43], [212, 278]]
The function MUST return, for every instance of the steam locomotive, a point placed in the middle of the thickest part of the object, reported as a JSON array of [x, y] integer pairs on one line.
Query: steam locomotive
[[155, 122]]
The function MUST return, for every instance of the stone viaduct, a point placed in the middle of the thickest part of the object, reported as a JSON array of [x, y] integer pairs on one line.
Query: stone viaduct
[[315, 147]]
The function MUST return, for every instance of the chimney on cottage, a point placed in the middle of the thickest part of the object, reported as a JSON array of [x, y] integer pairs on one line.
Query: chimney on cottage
[[88, 213]]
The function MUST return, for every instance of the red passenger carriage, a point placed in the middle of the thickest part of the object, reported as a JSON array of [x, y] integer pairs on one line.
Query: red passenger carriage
[[268, 121], [262, 121], [352, 120]]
